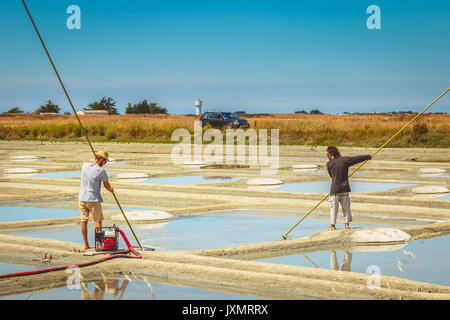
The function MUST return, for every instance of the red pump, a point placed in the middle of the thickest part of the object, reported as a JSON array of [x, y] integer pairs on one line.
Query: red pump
[[80, 265]]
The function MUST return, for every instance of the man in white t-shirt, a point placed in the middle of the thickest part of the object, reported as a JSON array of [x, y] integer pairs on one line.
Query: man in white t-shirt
[[90, 199]]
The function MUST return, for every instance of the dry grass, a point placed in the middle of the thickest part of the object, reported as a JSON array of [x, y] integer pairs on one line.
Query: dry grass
[[366, 130]]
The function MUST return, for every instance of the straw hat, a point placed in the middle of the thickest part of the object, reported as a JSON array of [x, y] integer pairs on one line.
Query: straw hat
[[102, 154]]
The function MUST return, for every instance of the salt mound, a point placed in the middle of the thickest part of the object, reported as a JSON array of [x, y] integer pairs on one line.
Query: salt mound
[[131, 175], [431, 189], [380, 235], [304, 166], [268, 171], [19, 175], [431, 175], [432, 170], [135, 180], [379, 248], [143, 215], [23, 158], [262, 188], [263, 182], [20, 170], [194, 163]]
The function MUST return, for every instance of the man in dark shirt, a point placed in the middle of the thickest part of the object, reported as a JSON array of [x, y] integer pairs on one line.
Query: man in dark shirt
[[337, 167]]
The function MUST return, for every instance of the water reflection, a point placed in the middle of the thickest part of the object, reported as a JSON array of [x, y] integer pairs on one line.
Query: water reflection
[[334, 264], [346, 263], [109, 287], [424, 260]]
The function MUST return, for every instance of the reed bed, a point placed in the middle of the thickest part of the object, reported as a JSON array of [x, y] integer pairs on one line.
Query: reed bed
[[363, 130]]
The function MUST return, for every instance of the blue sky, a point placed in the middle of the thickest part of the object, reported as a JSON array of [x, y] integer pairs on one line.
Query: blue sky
[[258, 56]]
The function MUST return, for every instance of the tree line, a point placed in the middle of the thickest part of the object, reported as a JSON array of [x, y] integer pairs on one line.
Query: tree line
[[107, 104]]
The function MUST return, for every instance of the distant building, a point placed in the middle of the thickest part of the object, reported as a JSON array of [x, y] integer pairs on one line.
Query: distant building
[[93, 112], [198, 107], [48, 113]]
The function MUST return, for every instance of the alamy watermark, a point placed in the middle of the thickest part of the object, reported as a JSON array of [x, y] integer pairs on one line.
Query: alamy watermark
[[374, 20], [374, 280], [74, 278], [74, 20], [192, 150]]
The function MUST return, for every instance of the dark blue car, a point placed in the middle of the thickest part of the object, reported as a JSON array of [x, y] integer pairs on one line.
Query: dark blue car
[[218, 119]]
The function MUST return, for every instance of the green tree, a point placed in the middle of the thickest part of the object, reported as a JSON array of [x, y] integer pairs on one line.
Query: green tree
[[107, 104], [15, 110], [154, 108], [48, 107], [129, 109], [145, 107]]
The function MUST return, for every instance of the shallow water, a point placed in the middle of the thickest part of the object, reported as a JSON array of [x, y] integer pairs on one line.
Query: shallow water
[[10, 268], [429, 264], [191, 180], [17, 213], [59, 174], [304, 157], [62, 174], [445, 197], [123, 289], [199, 231], [324, 171], [21, 213], [121, 163], [324, 187]]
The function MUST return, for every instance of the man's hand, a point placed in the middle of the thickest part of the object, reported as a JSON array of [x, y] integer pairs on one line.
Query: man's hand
[[108, 186]]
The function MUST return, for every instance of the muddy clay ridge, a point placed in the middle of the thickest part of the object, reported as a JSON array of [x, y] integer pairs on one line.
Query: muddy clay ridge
[[229, 269]]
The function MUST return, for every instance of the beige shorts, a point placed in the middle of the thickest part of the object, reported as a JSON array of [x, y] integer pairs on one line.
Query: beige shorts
[[95, 208]]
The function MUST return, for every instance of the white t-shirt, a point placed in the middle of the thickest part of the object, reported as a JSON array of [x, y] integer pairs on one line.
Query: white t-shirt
[[91, 177]]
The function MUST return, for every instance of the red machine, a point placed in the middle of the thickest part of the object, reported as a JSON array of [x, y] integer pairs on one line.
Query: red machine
[[107, 239]]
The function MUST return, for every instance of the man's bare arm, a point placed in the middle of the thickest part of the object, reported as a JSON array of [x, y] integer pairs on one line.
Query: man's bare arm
[[108, 186]]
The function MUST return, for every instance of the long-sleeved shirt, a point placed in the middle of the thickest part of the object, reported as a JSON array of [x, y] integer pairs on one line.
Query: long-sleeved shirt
[[338, 170]]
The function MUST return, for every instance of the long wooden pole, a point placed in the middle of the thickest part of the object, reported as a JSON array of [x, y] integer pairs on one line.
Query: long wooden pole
[[373, 154], [74, 111]]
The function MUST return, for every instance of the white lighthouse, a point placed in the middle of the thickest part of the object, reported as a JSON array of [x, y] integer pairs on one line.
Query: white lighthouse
[[198, 107]]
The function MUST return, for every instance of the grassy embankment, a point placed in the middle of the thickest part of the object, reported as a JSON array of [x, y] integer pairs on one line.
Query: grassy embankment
[[369, 130]]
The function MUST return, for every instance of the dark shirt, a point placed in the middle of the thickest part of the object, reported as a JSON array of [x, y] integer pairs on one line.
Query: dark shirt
[[338, 170]]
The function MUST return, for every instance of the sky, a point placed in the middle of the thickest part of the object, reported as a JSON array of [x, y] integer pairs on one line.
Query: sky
[[257, 56]]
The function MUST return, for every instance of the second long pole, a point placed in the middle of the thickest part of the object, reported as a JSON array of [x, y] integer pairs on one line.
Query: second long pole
[[373, 154]]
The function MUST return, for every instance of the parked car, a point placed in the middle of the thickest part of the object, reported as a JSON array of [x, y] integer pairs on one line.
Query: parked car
[[219, 119]]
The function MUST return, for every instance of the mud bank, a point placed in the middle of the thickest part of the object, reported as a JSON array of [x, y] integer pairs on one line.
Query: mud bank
[[335, 240], [214, 269]]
